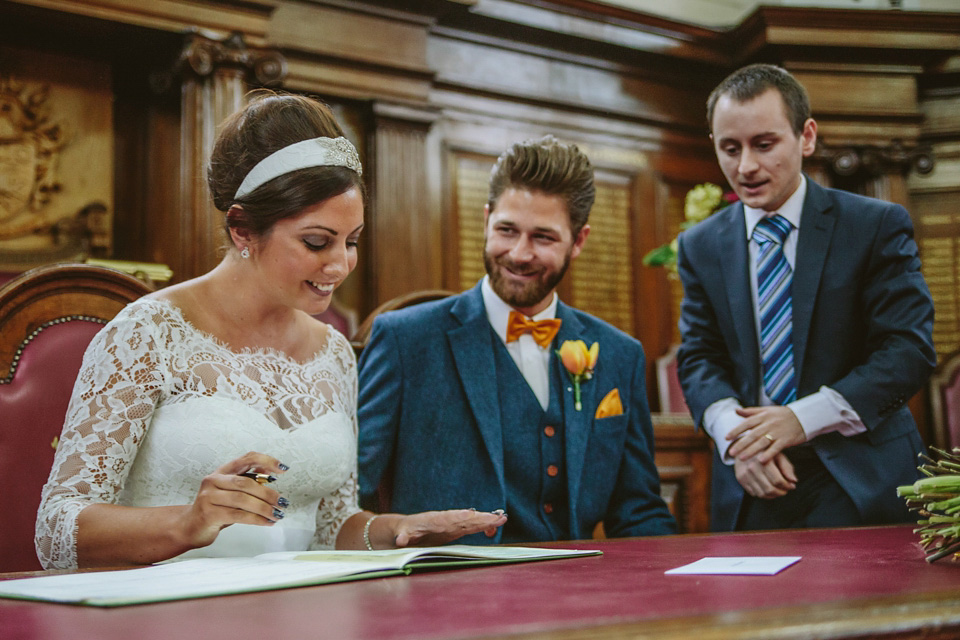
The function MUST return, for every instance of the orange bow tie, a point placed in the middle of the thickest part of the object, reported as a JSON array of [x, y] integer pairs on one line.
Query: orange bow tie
[[542, 331]]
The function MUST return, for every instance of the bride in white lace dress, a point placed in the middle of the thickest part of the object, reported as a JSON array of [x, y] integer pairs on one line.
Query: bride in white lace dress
[[229, 373]]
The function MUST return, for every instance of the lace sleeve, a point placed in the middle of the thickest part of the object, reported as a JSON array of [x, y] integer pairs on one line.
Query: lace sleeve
[[338, 507], [119, 384]]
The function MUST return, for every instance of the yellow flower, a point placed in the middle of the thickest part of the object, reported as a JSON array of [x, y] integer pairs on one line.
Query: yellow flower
[[701, 201], [579, 361], [593, 354]]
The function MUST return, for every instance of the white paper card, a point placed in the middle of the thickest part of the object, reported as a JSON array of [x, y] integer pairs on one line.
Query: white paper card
[[735, 566]]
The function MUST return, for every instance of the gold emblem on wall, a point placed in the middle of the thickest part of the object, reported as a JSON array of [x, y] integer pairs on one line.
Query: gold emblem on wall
[[56, 158], [30, 144]]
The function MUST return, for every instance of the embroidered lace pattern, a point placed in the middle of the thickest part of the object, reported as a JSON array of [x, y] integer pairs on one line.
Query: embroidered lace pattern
[[158, 405]]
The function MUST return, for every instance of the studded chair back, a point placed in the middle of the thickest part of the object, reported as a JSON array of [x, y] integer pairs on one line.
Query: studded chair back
[[47, 318]]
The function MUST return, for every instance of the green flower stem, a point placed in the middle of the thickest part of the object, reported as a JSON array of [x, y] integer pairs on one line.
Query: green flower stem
[[947, 550]]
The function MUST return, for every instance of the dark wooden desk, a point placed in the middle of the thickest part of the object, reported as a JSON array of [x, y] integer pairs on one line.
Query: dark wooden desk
[[850, 583]]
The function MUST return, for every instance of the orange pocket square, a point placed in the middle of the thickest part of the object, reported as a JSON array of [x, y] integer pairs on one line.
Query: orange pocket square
[[609, 406]]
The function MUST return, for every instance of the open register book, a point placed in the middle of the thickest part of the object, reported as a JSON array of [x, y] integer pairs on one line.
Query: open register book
[[204, 577]]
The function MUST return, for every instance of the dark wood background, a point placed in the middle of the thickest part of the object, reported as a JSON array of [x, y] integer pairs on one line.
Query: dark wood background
[[431, 91]]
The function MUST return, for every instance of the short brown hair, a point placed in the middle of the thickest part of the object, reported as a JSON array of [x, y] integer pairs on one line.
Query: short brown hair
[[268, 123], [550, 166], [749, 82]]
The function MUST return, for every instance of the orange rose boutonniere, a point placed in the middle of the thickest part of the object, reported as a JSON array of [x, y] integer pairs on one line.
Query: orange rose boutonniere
[[579, 361]]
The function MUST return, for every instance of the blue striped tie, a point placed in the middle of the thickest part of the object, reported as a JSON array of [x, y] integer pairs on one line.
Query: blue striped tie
[[775, 303]]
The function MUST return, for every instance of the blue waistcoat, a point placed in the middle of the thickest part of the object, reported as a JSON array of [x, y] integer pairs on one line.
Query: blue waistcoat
[[533, 461]]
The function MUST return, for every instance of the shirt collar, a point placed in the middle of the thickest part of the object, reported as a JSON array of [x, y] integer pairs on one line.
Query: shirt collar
[[498, 311], [790, 210]]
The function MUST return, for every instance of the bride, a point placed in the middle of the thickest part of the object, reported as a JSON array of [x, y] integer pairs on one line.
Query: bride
[[194, 386]]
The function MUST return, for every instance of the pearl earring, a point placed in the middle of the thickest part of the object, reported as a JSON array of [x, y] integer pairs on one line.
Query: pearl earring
[[245, 253]]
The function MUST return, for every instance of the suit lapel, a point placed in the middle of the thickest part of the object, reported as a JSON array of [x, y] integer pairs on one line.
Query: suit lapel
[[816, 230], [731, 242], [472, 347], [577, 423]]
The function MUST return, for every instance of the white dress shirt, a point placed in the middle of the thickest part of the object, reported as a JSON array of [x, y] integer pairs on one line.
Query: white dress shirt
[[532, 359], [820, 412]]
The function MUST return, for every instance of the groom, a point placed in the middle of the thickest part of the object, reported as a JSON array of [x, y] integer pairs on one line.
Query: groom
[[464, 402]]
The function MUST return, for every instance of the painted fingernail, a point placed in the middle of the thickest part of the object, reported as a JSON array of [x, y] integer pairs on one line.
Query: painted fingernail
[[283, 467], [498, 512], [283, 502], [278, 514]]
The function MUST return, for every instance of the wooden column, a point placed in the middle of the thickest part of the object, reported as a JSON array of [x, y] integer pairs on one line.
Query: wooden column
[[214, 79], [404, 224]]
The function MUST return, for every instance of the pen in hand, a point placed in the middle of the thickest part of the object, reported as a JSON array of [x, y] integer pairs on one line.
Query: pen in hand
[[261, 478]]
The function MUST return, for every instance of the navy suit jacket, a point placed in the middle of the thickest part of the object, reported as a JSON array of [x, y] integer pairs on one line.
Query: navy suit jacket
[[429, 420], [862, 325]]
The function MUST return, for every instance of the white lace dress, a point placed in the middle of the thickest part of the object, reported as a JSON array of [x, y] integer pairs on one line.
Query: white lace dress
[[158, 405]]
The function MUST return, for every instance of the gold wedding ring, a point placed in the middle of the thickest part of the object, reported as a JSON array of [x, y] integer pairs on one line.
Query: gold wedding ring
[[768, 437]]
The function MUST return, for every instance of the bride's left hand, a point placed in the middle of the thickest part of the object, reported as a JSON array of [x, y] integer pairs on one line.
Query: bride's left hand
[[432, 528]]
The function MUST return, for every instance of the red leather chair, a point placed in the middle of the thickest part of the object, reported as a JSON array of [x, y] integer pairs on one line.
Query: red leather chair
[[945, 402], [47, 318], [668, 384]]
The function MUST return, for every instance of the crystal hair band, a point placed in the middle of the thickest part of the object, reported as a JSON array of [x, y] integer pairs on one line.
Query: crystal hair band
[[317, 152]]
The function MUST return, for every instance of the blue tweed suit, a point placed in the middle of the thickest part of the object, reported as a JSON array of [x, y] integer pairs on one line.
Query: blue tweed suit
[[430, 421]]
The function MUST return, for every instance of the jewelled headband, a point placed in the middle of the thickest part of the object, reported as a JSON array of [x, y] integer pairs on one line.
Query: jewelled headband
[[317, 152]]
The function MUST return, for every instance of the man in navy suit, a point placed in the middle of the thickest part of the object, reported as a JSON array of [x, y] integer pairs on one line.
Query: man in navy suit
[[464, 401], [806, 327]]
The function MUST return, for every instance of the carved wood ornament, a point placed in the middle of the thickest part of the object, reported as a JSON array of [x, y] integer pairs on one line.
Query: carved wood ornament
[[873, 160], [30, 144]]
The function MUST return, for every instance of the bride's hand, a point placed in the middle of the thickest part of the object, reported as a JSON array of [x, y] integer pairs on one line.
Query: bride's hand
[[432, 528], [226, 497]]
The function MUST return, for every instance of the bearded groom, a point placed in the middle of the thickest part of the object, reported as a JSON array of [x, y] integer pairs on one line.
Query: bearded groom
[[464, 401]]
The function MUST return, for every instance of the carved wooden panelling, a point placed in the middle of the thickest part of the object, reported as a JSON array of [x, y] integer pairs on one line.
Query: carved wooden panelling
[[472, 176], [938, 228], [603, 274], [56, 158]]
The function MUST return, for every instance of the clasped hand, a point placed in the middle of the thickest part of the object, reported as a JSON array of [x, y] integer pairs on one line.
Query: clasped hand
[[759, 463]]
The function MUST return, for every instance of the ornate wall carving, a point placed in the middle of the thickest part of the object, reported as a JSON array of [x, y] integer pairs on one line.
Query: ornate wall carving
[[56, 168]]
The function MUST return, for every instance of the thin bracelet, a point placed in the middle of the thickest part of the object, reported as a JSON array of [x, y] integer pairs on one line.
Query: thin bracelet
[[366, 532]]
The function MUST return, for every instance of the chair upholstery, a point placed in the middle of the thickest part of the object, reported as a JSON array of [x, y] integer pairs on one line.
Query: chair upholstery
[[945, 402], [47, 318], [668, 384]]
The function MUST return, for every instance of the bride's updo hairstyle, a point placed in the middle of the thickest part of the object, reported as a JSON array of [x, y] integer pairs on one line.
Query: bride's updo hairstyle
[[271, 122]]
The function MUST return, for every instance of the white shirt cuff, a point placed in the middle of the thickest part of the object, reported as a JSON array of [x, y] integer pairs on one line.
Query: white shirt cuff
[[719, 419], [826, 411]]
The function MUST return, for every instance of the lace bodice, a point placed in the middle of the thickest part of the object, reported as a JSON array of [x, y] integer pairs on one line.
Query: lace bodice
[[158, 405]]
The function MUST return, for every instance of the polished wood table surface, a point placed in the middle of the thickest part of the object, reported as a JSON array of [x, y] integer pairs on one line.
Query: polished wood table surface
[[863, 582]]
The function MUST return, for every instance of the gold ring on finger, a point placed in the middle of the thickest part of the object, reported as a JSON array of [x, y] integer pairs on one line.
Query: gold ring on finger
[[768, 437]]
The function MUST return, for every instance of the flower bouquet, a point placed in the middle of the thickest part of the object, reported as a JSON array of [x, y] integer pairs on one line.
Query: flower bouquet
[[701, 202], [936, 498]]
